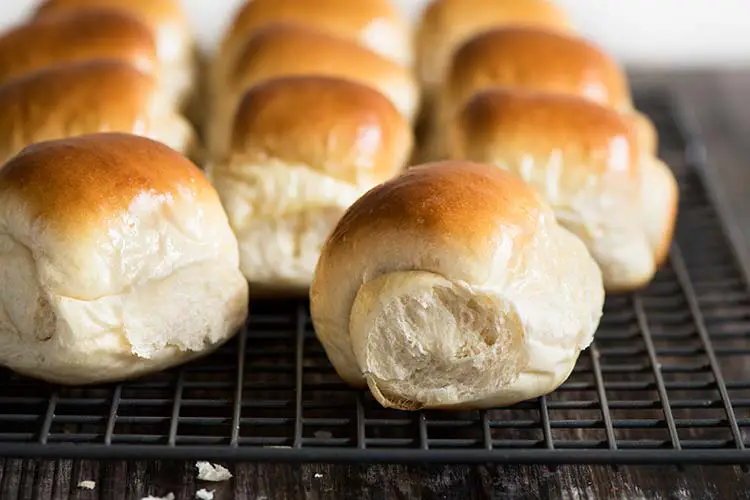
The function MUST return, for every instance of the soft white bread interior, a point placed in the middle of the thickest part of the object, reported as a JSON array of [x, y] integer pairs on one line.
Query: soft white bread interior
[[67, 37], [303, 150], [375, 24], [453, 286], [445, 24], [585, 160], [287, 50], [88, 97], [527, 58], [116, 260], [169, 24]]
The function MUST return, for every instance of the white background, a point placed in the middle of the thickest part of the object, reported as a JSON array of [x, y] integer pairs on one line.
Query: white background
[[639, 32]]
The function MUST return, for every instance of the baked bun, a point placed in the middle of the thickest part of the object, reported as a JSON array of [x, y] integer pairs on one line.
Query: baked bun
[[585, 160], [303, 149], [84, 98], [376, 24], [536, 59], [445, 24], [288, 50], [77, 36], [529, 58], [169, 24], [117, 261], [453, 286]]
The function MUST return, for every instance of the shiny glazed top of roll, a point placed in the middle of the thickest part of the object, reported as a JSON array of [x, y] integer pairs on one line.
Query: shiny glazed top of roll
[[377, 24], [75, 183], [286, 50], [166, 17], [84, 98], [343, 129], [77, 36], [536, 59], [446, 24], [536, 127]]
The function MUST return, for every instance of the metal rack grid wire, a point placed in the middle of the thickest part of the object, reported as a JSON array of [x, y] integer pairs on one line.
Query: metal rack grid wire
[[666, 381]]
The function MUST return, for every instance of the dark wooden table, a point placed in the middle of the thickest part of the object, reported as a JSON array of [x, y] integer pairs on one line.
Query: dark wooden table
[[720, 100]]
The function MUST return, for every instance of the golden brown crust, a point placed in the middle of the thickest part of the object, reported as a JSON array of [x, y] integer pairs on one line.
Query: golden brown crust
[[346, 19], [445, 24], [79, 98], [76, 36], [540, 60], [511, 123], [458, 203], [156, 13], [468, 15], [342, 128], [284, 49], [82, 181]]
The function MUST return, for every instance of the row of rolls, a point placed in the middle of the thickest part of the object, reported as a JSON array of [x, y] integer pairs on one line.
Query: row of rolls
[[456, 198]]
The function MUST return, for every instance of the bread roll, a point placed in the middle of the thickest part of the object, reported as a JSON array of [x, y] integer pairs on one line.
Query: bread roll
[[287, 50], [304, 148], [537, 59], [453, 286], [376, 24], [446, 24], [170, 26], [117, 261], [585, 160], [84, 98], [534, 59], [77, 36]]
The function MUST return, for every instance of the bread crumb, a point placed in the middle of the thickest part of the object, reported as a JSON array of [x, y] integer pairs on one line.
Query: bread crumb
[[87, 485], [212, 472], [170, 496], [204, 494]]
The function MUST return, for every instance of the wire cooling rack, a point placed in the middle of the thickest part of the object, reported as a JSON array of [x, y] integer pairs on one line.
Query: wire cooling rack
[[666, 381]]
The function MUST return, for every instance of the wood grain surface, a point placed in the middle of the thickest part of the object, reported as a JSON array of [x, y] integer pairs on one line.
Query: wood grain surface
[[720, 102], [134, 480]]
